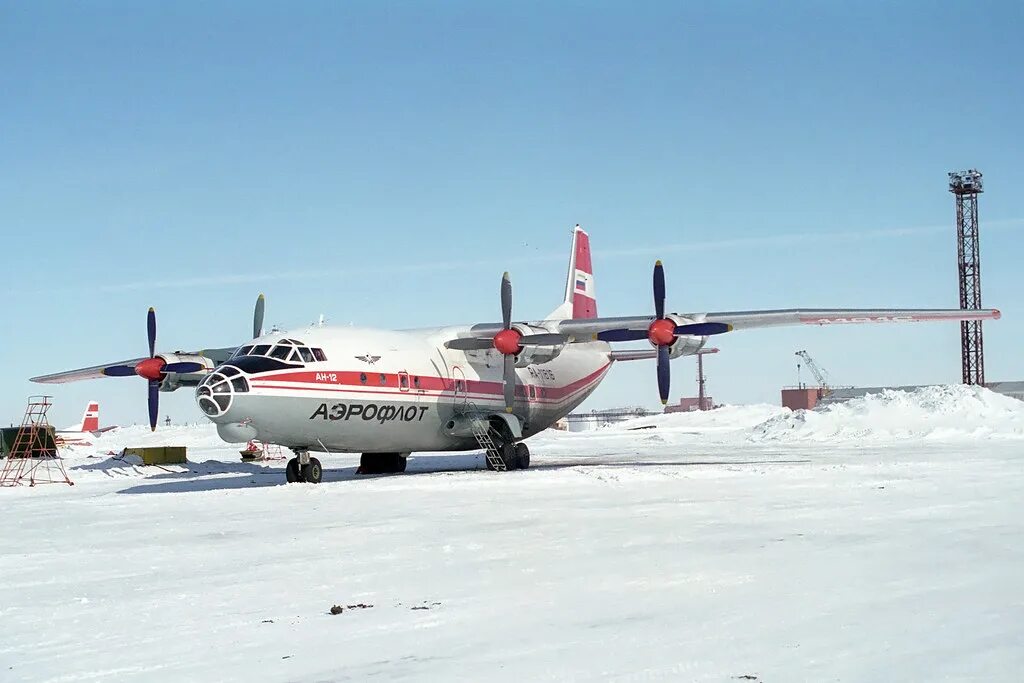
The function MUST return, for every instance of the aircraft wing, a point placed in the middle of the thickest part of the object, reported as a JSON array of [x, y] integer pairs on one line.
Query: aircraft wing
[[646, 354], [705, 324], [195, 362], [635, 328], [84, 373]]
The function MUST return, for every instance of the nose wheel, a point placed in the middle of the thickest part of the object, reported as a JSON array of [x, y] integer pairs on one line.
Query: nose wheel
[[310, 472]]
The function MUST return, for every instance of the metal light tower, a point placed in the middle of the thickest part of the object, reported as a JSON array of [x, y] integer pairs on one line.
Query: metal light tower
[[966, 186], [702, 402]]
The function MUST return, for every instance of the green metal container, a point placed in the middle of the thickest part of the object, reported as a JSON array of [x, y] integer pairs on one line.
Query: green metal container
[[45, 444]]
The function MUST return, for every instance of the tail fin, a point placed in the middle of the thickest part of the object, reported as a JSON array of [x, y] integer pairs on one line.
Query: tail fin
[[91, 419], [580, 298]]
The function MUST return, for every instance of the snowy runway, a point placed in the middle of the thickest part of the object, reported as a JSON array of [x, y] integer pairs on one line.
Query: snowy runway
[[742, 542]]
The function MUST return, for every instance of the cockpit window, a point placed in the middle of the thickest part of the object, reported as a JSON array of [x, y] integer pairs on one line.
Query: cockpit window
[[244, 351], [260, 350], [319, 354], [281, 352], [306, 354]]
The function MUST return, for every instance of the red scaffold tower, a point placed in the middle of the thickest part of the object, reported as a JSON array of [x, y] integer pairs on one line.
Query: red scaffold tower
[[966, 186], [33, 456]]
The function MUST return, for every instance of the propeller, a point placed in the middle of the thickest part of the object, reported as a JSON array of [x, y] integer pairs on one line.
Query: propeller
[[257, 317], [509, 342], [154, 368], [663, 332]]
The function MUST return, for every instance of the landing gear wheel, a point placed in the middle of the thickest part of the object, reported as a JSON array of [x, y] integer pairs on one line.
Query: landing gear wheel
[[522, 456], [313, 472], [403, 461], [292, 473], [508, 456]]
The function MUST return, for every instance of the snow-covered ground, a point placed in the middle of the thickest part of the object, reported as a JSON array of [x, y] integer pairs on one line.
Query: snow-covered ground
[[878, 540]]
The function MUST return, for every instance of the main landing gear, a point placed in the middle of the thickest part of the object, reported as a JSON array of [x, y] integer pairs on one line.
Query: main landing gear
[[501, 452], [515, 456], [303, 468], [382, 463]]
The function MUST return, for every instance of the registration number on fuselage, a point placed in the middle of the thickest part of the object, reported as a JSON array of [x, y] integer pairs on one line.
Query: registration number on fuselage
[[383, 412]]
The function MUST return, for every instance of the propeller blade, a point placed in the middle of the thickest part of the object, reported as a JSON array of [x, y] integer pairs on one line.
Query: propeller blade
[[154, 403], [506, 300], [663, 373], [543, 340], [469, 344], [659, 290], [622, 335], [151, 330], [182, 368], [704, 329], [257, 316], [510, 383], [119, 371]]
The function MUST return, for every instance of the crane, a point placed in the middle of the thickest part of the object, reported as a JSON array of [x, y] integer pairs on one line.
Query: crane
[[819, 373]]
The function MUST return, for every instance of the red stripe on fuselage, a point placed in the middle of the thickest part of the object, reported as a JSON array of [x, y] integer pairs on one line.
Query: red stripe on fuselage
[[343, 380]]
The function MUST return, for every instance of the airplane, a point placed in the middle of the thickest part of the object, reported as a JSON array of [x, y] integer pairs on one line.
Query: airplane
[[78, 434], [388, 393]]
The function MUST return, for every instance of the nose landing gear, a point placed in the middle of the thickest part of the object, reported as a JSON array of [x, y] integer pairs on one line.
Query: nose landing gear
[[303, 468]]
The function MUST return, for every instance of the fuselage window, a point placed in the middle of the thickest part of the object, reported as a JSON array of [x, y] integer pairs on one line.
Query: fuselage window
[[319, 355], [383, 379], [281, 352], [260, 350], [362, 378], [306, 354], [458, 385], [404, 381], [416, 382]]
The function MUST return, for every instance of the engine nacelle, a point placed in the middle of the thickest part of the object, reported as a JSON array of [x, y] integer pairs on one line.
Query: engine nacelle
[[536, 355], [685, 344], [174, 380]]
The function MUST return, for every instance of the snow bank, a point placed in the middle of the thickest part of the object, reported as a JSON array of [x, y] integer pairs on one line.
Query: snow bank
[[939, 412], [724, 419]]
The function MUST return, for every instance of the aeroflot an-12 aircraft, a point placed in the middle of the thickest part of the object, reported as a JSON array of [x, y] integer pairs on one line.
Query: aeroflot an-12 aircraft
[[387, 393]]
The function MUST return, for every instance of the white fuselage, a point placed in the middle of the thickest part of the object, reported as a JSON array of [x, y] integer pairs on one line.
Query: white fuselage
[[392, 391]]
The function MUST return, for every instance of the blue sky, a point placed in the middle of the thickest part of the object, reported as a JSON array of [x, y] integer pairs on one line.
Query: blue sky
[[383, 163]]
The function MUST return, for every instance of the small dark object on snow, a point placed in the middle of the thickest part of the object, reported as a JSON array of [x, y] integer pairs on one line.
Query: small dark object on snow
[[420, 607], [337, 609], [358, 606], [747, 677], [267, 621]]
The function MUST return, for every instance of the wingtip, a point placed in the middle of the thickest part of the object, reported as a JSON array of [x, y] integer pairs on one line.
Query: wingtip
[[664, 401], [152, 310], [260, 297], [657, 264]]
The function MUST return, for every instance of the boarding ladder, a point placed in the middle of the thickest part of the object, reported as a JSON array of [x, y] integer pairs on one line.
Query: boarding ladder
[[482, 431]]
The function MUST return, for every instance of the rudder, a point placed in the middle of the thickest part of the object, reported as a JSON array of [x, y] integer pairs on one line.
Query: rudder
[[580, 296]]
